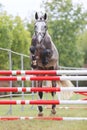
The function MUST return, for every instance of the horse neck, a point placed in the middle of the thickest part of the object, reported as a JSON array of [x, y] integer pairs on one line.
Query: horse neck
[[47, 34], [48, 38]]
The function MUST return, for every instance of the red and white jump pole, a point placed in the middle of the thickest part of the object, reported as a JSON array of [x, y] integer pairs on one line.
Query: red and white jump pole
[[43, 89], [51, 72], [82, 93], [41, 102], [30, 78], [45, 118], [67, 107]]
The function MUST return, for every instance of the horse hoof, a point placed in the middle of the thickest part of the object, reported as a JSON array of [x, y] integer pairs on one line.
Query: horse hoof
[[40, 114], [53, 111]]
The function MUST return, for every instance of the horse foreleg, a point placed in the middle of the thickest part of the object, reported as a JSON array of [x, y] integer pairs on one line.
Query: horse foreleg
[[53, 94], [40, 94]]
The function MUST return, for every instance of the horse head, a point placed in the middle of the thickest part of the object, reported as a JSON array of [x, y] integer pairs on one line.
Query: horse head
[[40, 26]]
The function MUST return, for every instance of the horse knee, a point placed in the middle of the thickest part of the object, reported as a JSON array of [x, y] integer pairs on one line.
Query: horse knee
[[53, 106], [40, 108], [52, 93], [40, 95], [53, 85]]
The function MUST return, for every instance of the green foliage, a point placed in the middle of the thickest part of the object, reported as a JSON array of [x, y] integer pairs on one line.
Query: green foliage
[[30, 27], [5, 38], [14, 36], [82, 43], [21, 39], [66, 21], [5, 30]]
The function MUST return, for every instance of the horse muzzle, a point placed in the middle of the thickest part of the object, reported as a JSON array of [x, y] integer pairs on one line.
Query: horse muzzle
[[39, 38]]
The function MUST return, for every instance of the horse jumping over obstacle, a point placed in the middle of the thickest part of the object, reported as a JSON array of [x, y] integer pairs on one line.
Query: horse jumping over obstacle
[[43, 53]]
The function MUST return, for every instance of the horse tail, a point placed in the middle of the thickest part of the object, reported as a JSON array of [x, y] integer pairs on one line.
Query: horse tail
[[65, 94]]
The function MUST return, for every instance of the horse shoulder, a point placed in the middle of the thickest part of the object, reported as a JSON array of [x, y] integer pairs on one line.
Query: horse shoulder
[[48, 41], [54, 49]]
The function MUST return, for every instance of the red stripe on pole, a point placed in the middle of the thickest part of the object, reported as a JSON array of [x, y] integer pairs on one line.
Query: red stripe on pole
[[50, 118], [82, 93], [44, 102], [6, 78], [8, 89], [28, 72], [50, 72], [2, 72], [15, 78], [32, 102], [47, 89], [9, 118], [45, 78], [7, 102]]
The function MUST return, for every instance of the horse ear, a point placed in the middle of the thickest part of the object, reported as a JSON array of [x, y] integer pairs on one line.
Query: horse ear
[[36, 16], [45, 16]]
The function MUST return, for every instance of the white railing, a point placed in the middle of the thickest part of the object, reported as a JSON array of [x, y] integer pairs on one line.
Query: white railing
[[10, 67]]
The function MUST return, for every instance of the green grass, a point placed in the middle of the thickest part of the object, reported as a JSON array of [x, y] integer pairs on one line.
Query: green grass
[[43, 125], [39, 124]]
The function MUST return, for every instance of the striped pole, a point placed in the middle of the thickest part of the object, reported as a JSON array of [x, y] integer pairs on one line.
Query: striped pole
[[51, 72], [30, 78], [82, 93], [67, 107], [46, 118], [43, 89], [41, 102]]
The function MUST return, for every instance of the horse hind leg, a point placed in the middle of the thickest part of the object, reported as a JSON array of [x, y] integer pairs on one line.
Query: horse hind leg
[[40, 94], [53, 111]]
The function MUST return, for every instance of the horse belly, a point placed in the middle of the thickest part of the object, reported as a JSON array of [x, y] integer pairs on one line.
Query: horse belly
[[52, 62]]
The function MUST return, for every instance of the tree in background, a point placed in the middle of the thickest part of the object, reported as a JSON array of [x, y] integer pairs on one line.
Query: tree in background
[[30, 27], [21, 41], [6, 37], [82, 44], [14, 36], [66, 21], [6, 26]]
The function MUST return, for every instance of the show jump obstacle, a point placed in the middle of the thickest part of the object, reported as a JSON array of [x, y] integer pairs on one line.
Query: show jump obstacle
[[44, 89], [45, 118], [30, 78], [51, 72], [27, 75]]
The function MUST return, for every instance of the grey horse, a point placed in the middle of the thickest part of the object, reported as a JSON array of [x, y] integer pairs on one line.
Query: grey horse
[[43, 53]]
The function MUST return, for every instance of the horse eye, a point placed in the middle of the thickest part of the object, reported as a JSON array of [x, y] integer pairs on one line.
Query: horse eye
[[45, 27]]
